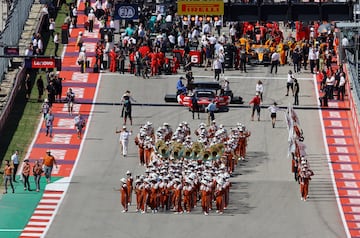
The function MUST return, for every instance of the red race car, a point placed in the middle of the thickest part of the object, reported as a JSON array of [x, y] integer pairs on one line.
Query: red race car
[[205, 93]]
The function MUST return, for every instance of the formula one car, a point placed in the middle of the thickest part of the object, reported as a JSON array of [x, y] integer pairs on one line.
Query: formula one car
[[260, 54], [206, 92]]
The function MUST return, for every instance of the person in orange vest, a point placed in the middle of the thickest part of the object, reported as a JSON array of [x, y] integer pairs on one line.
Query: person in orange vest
[[8, 170], [124, 195], [113, 59]]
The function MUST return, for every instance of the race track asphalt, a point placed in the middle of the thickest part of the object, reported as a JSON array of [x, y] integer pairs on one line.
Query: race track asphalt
[[265, 199]]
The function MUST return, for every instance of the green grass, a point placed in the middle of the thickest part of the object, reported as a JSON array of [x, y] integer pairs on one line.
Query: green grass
[[25, 116]]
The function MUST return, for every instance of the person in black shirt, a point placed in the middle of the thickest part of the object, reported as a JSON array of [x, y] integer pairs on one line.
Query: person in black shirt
[[126, 109], [195, 106]]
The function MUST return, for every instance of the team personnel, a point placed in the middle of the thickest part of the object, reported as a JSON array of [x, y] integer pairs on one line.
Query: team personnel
[[80, 123], [256, 106], [8, 172], [296, 92], [48, 163], [70, 99], [15, 163], [37, 172], [195, 106], [126, 100], [211, 108], [275, 57]]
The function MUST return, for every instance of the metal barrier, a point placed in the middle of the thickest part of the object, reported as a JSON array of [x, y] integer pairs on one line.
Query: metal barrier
[[4, 114], [13, 29], [353, 89]]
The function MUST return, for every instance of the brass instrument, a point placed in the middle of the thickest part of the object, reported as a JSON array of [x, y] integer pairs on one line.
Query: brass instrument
[[187, 153], [216, 151], [159, 144], [164, 151], [206, 155], [196, 148], [177, 150]]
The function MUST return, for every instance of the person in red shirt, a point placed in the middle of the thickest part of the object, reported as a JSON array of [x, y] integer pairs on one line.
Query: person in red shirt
[[256, 106], [99, 50], [113, 57], [132, 62]]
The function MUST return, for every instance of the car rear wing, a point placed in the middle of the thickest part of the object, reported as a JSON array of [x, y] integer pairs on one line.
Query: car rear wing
[[206, 85]]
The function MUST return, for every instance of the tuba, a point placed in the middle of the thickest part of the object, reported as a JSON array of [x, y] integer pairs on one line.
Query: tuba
[[164, 151], [206, 155], [216, 151], [187, 153], [177, 150], [159, 143], [196, 148]]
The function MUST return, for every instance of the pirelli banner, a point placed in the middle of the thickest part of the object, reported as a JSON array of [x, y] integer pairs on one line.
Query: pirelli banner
[[200, 8]]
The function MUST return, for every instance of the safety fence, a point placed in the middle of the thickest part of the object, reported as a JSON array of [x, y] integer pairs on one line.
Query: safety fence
[[13, 29], [17, 82], [353, 89]]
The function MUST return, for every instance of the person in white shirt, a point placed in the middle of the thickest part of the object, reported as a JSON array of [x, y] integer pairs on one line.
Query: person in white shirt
[[172, 40], [330, 82], [290, 83], [312, 59], [222, 60], [275, 57], [124, 139], [273, 109], [168, 19], [342, 82], [206, 28], [56, 43], [15, 162], [217, 68], [91, 19], [51, 27], [181, 41], [75, 16], [259, 88], [158, 17], [40, 46], [82, 59], [232, 33], [218, 25], [345, 42]]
